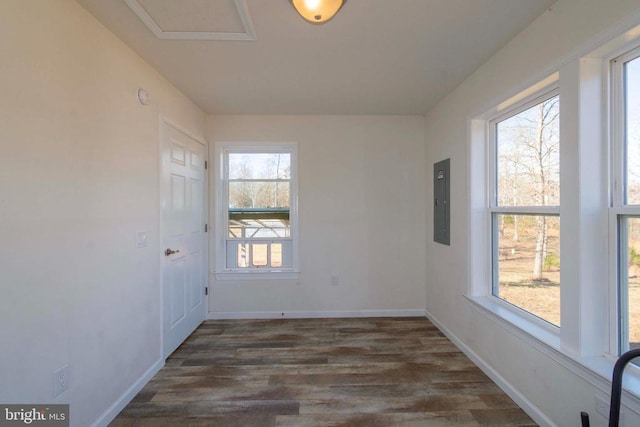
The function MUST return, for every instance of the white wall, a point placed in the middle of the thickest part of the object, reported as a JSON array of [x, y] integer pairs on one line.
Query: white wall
[[78, 176], [541, 381], [362, 207]]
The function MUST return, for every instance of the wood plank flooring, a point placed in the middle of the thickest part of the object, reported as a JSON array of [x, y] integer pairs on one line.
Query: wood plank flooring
[[320, 372]]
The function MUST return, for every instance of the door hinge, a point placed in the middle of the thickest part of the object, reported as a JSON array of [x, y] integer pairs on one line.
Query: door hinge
[[206, 164], [206, 290], [206, 228]]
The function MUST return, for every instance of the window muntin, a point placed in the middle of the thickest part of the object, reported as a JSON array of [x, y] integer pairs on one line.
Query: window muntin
[[525, 218], [257, 207]]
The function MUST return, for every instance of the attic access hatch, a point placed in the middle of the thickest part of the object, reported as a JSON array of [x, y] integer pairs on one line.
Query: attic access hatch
[[196, 19]]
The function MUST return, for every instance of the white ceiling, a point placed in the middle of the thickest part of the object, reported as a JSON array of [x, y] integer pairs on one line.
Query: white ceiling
[[374, 57]]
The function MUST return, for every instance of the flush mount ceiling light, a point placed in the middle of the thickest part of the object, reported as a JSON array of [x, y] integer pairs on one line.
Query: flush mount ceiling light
[[317, 11]]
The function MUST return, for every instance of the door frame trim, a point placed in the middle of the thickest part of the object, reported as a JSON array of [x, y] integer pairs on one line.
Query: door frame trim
[[165, 121]]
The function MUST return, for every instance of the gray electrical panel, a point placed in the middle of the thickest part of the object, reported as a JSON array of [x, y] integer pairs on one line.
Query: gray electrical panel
[[441, 214]]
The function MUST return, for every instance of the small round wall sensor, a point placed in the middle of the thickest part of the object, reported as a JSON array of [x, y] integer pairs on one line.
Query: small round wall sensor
[[143, 97]]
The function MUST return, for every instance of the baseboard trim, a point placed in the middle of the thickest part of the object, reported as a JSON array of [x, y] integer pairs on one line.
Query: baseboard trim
[[112, 412], [223, 315], [532, 410]]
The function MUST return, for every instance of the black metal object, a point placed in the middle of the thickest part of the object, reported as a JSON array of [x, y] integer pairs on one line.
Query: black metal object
[[616, 385], [585, 419], [616, 389]]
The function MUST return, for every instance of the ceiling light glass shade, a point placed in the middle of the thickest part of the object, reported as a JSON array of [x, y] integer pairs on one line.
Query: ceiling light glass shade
[[317, 11]]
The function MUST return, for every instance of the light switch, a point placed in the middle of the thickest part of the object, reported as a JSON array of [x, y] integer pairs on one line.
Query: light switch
[[141, 239]]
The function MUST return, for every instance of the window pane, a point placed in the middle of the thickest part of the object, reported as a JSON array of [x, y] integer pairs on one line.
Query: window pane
[[256, 190], [528, 157], [276, 255], [259, 165], [630, 285], [243, 255], [259, 254], [528, 263], [259, 194], [632, 131]]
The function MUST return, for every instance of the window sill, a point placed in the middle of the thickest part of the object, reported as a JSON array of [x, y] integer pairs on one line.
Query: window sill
[[597, 370], [537, 328], [232, 275]]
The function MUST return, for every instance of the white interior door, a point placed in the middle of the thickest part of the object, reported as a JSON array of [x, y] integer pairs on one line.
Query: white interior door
[[183, 236]]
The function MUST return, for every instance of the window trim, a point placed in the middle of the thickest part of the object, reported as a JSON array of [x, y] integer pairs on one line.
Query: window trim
[[221, 211], [539, 333]]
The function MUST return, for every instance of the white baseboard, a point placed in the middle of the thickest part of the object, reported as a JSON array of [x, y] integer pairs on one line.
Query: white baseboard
[[533, 411], [112, 412], [221, 315]]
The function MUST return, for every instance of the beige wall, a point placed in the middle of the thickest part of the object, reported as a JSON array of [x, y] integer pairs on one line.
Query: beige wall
[[78, 177], [362, 207]]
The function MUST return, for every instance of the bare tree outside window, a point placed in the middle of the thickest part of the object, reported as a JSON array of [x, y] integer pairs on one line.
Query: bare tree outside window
[[259, 180], [528, 176]]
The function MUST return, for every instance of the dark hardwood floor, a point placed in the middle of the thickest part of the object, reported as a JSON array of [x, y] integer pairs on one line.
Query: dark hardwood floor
[[320, 372]]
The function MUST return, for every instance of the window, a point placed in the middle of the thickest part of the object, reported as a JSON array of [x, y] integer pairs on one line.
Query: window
[[626, 200], [524, 208], [524, 184], [257, 208]]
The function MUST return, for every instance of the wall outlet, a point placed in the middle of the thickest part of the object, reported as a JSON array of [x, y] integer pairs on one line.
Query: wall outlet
[[60, 380], [141, 239], [335, 280], [602, 406]]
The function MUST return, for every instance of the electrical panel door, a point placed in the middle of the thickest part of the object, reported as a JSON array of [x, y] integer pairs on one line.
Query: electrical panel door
[[441, 214]]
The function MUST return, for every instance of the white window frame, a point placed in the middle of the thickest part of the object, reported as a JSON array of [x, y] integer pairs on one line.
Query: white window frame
[[484, 197], [528, 102], [222, 149], [619, 208]]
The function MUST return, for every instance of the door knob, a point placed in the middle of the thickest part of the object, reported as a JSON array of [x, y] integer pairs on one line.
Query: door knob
[[170, 252]]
